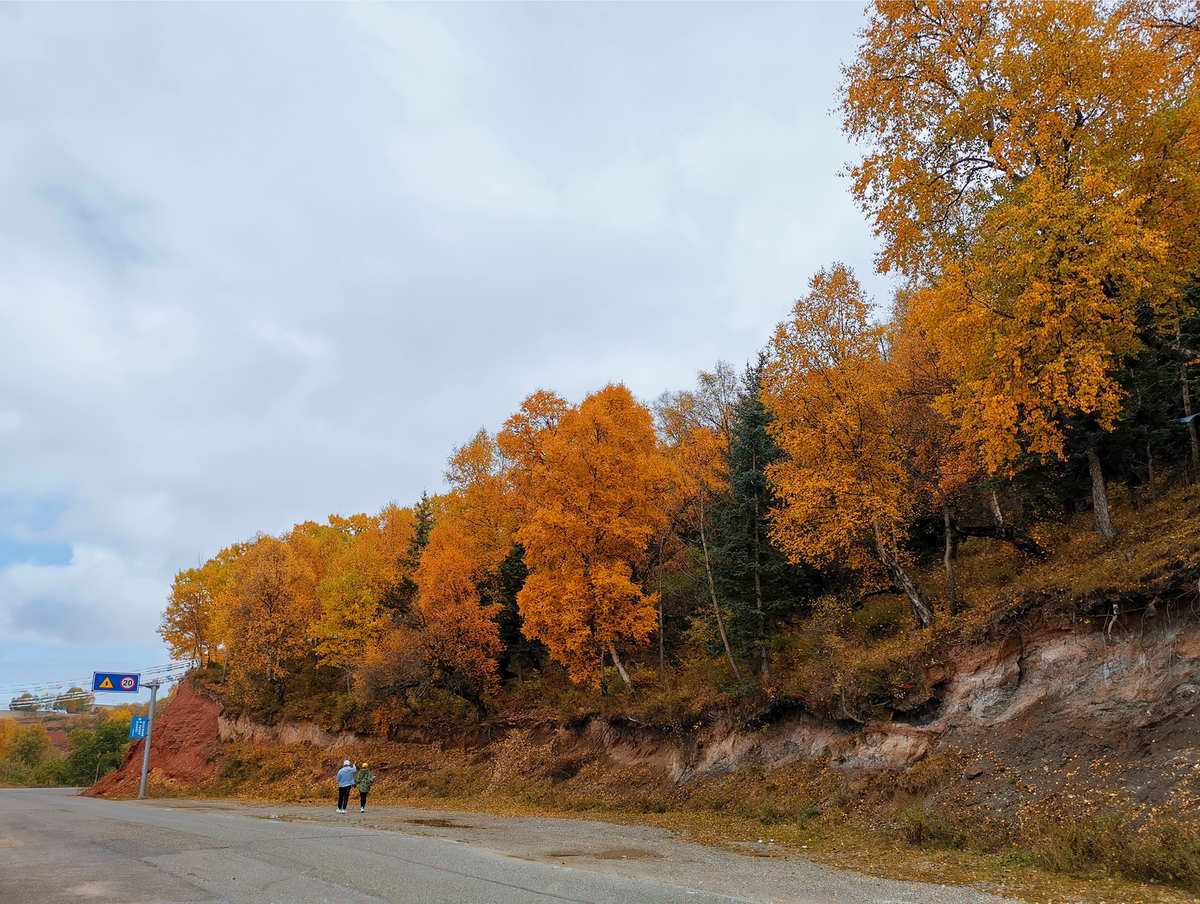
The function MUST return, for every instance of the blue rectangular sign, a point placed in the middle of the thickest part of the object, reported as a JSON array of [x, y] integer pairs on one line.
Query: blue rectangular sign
[[115, 682], [137, 727]]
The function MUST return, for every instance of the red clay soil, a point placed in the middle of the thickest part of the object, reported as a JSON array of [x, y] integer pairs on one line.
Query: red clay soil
[[182, 752]]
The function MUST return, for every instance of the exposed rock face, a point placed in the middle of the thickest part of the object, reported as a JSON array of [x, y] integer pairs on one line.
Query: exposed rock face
[[1037, 700], [241, 728]]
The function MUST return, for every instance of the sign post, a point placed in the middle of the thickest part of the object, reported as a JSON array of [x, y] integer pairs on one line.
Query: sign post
[[139, 726], [153, 685]]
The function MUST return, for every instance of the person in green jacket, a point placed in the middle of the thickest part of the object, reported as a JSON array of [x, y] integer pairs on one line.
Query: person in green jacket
[[364, 779]]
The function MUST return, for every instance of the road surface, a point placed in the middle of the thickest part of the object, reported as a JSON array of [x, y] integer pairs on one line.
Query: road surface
[[56, 847]]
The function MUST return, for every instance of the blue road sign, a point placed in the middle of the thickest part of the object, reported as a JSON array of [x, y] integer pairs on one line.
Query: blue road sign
[[116, 682], [137, 727]]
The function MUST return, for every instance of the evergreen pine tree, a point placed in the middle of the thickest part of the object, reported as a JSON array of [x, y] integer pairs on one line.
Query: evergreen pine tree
[[400, 598], [521, 655], [755, 579]]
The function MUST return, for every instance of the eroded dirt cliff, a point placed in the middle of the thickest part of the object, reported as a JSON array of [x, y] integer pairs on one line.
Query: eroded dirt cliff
[[184, 748]]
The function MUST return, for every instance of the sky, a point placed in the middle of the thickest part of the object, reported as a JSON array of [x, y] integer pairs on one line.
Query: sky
[[264, 263]]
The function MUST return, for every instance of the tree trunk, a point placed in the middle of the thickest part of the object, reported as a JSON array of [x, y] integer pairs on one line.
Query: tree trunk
[[662, 649], [712, 592], [949, 557], [612, 651], [997, 512], [662, 653], [1100, 496], [1191, 426], [764, 668], [901, 580]]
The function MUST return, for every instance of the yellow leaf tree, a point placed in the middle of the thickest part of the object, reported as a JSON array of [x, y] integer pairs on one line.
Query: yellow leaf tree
[[365, 563], [843, 484], [696, 427], [1030, 163], [188, 622], [271, 616]]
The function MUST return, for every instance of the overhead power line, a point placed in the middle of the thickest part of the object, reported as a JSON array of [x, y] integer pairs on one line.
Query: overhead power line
[[45, 693], [48, 683]]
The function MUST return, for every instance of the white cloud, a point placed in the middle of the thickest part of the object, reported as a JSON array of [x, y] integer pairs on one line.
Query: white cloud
[[100, 595], [264, 263]]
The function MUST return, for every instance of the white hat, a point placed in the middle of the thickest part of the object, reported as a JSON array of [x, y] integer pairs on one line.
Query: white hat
[[345, 762]]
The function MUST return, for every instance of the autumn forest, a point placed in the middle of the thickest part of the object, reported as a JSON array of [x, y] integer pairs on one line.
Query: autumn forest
[[1032, 173]]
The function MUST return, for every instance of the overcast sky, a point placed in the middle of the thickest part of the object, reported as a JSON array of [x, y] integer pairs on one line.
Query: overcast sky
[[259, 264]]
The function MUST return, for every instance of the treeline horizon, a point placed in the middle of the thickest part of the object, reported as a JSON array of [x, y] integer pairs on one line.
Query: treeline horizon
[[1032, 171]]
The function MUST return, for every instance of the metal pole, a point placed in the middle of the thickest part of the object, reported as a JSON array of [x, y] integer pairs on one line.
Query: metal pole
[[153, 685]]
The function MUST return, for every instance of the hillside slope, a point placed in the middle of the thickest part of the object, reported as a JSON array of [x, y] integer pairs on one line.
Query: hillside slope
[[1055, 721]]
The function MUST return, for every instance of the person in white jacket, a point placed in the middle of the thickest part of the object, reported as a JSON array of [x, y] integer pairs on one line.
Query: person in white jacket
[[345, 781]]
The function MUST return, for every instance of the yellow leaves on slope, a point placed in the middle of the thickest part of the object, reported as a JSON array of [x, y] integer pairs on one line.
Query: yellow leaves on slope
[[960, 102], [828, 393], [1036, 321], [1035, 168]]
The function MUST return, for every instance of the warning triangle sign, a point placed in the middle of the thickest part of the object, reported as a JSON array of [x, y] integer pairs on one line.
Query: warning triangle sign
[[106, 684]]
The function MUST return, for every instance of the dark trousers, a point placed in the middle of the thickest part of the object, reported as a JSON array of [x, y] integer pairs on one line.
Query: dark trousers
[[362, 800], [344, 797]]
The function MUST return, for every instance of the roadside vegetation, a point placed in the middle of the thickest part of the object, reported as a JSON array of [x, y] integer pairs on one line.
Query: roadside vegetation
[[1059, 838], [1104, 849], [95, 746]]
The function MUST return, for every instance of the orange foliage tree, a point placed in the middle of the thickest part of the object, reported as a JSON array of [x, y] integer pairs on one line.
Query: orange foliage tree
[[599, 493], [522, 441], [470, 539]]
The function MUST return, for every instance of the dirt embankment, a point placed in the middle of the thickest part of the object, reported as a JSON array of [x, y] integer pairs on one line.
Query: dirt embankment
[[1049, 718], [184, 751]]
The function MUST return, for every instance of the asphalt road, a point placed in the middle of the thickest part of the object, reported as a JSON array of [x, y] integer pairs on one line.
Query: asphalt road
[[57, 847]]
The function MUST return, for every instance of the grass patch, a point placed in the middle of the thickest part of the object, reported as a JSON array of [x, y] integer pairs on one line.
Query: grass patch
[[919, 827], [1167, 852]]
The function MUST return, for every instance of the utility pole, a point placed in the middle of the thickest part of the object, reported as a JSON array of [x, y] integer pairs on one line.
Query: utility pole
[[154, 686]]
